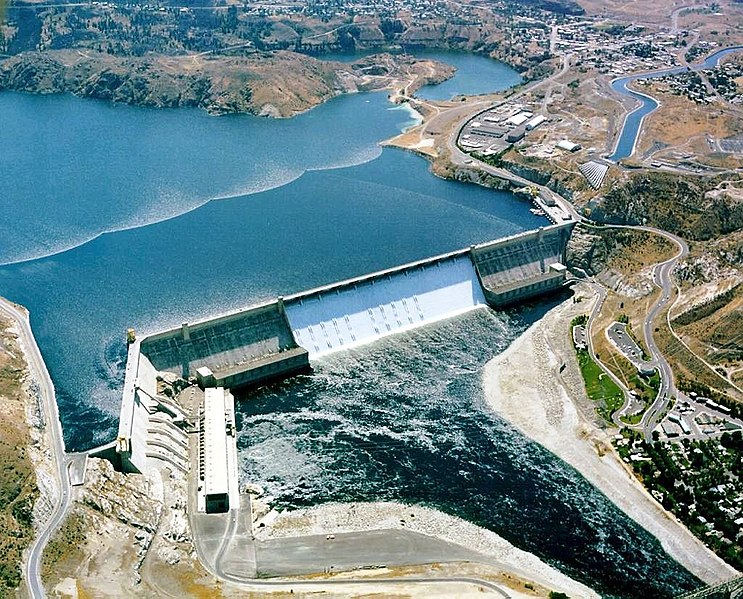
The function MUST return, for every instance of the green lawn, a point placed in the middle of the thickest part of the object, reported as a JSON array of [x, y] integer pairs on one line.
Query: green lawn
[[633, 418], [599, 386]]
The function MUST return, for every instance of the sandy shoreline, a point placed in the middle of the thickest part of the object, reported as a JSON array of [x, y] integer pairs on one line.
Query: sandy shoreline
[[524, 386]]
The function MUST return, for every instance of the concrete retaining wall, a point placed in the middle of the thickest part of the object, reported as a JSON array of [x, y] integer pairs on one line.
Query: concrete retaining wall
[[523, 266]]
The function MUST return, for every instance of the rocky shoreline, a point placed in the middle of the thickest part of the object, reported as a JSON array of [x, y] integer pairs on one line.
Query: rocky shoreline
[[274, 84]]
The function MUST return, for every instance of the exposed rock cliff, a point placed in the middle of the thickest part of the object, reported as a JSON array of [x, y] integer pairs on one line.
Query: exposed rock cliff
[[125, 535], [19, 488], [693, 207]]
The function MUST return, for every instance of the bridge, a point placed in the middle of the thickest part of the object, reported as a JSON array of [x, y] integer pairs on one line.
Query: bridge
[[730, 589]]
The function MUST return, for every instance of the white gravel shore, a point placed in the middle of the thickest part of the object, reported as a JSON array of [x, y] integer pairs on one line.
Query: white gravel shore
[[524, 386]]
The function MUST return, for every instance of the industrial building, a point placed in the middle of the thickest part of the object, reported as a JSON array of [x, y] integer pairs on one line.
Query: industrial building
[[519, 118], [231, 351], [216, 434], [516, 134], [568, 146], [535, 122], [522, 266]]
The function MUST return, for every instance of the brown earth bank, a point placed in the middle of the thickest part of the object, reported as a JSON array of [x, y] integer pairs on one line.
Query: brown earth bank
[[18, 489], [276, 84]]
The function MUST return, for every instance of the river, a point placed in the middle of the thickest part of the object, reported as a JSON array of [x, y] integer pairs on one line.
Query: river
[[631, 127]]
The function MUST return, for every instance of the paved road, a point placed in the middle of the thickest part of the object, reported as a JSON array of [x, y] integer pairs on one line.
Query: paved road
[[39, 372], [662, 279], [601, 297], [675, 17]]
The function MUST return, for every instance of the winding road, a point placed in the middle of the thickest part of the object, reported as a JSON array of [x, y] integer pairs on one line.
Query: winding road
[[39, 372], [662, 279]]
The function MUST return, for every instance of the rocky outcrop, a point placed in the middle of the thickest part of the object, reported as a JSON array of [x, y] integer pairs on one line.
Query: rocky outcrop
[[276, 84], [535, 175], [693, 207], [587, 251], [128, 499]]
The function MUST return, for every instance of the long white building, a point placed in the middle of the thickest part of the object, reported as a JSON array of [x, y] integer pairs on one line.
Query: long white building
[[218, 431]]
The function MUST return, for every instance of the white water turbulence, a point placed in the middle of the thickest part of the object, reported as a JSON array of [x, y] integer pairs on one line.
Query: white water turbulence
[[366, 309]]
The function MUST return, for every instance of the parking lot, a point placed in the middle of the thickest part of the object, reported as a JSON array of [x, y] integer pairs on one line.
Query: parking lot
[[619, 336]]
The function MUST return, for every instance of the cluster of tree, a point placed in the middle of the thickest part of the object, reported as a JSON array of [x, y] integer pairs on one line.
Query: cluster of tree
[[698, 487]]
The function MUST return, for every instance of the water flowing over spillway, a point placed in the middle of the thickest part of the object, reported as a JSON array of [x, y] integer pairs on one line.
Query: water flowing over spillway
[[355, 313]]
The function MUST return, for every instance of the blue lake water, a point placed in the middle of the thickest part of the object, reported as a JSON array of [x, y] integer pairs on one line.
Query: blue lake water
[[107, 224], [169, 256], [475, 75], [73, 169], [633, 121]]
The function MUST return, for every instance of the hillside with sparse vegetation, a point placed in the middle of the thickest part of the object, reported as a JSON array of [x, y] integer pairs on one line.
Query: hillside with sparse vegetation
[[17, 478]]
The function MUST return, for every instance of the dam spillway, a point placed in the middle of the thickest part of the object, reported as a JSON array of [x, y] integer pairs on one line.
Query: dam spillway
[[278, 338], [355, 312]]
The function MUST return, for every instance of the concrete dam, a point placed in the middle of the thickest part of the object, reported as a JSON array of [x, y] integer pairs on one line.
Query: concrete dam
[[279, 338]]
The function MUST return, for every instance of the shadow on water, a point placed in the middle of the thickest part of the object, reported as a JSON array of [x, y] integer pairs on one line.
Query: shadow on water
[[405, 419]]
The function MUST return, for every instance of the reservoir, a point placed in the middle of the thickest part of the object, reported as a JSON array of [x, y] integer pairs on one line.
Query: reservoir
[[108, 222], [475, 75], [119, 217]]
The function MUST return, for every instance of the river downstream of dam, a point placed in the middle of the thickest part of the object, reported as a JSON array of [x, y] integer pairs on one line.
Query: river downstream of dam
[[108, 224], [405, 420]]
